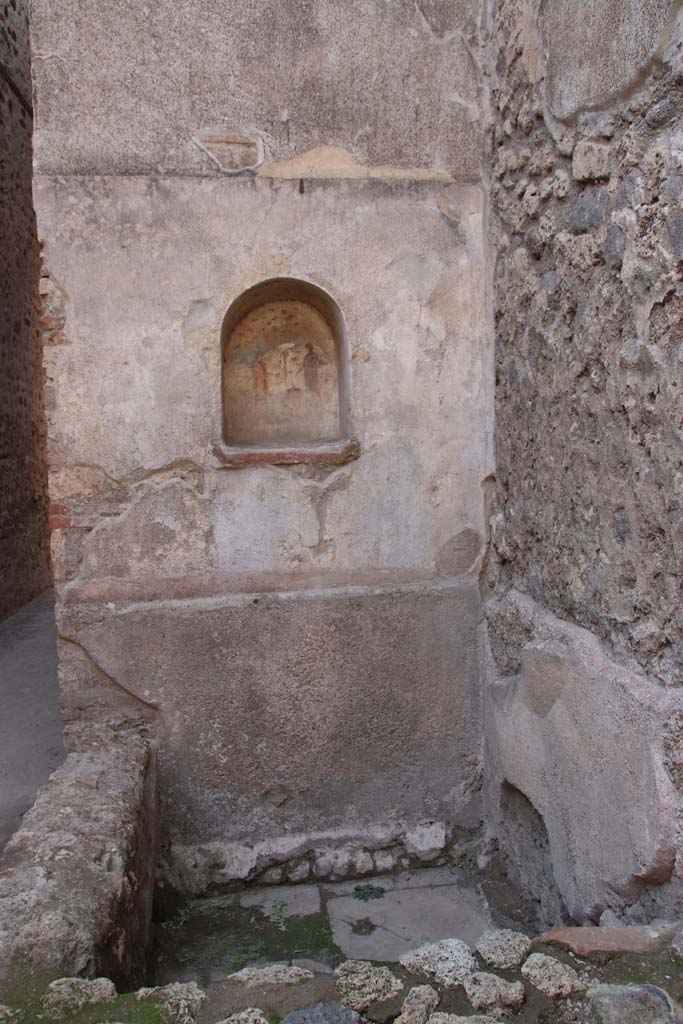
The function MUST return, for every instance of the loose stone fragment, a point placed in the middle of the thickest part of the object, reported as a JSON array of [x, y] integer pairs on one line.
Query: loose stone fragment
[[323, 1013], [179, 1002], [632, 1004], [426, 840], [271, 974], [360, 983], [249, 1016], [449, 961], [504, 948], [7, 1015], [485, 990], [418, 1005], [551, 977], [67, 995], [590, 161]]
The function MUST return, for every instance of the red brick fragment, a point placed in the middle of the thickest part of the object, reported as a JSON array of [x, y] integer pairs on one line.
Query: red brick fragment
[[584, 941]]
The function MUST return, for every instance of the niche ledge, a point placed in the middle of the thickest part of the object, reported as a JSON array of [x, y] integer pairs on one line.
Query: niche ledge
[[331, 453]]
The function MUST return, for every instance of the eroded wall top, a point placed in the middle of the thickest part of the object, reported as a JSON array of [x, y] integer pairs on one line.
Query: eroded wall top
[[131, 87]]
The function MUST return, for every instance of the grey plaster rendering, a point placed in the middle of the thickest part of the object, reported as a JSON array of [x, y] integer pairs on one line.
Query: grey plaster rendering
[[603, 53], [31, 742]]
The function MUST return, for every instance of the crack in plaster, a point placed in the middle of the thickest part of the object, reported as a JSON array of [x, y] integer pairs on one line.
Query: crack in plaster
[[150, 705], [319, 497]]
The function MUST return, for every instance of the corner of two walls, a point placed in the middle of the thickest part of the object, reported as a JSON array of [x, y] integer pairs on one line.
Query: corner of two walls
[[583, 706]]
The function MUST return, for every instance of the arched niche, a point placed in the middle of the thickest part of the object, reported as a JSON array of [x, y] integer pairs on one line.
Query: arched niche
[[285, 367]]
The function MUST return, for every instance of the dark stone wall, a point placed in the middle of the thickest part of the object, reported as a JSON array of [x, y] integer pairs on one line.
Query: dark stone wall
[[24, 545], [587, 198]]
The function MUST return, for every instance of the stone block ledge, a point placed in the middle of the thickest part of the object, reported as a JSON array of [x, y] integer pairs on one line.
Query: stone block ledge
[[334, 453], [76, 880]]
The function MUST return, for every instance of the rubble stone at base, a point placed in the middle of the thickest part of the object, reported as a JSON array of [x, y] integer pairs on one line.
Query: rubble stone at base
[[360, 983], [323, 1013], [251, 1015], [449, 961], [418, 1005], [487, 990], [68, 995], [504, 948], [633, 1004], [551, 977]]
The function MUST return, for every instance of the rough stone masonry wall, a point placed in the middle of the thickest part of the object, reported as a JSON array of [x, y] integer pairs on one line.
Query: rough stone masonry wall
[[24, 548], [587, 187]]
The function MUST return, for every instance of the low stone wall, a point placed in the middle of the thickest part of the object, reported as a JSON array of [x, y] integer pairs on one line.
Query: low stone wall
[[76, 881], [323, 856]]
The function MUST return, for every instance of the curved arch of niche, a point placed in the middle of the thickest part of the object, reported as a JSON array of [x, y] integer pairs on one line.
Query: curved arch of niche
[[285, 375]]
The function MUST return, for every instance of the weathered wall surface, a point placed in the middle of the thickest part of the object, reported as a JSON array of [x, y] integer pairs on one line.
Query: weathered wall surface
[[587, 185], [365, 192], [77, 879], [24, 546], [394, 83]]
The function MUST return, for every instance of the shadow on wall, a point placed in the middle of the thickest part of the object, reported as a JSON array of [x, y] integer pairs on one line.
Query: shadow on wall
[[527, 857]]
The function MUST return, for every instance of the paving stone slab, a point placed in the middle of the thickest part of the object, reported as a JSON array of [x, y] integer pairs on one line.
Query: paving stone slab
[[404, 919]]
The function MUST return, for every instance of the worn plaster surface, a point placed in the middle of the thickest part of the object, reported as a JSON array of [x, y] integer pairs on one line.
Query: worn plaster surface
[[394, 84], [586, 741], [145, 316]]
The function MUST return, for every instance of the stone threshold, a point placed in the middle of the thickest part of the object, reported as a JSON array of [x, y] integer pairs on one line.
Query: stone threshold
[[334, 453]]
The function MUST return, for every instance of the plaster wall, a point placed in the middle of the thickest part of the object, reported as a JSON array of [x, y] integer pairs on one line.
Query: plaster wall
[[24, 541], [303, 637]]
